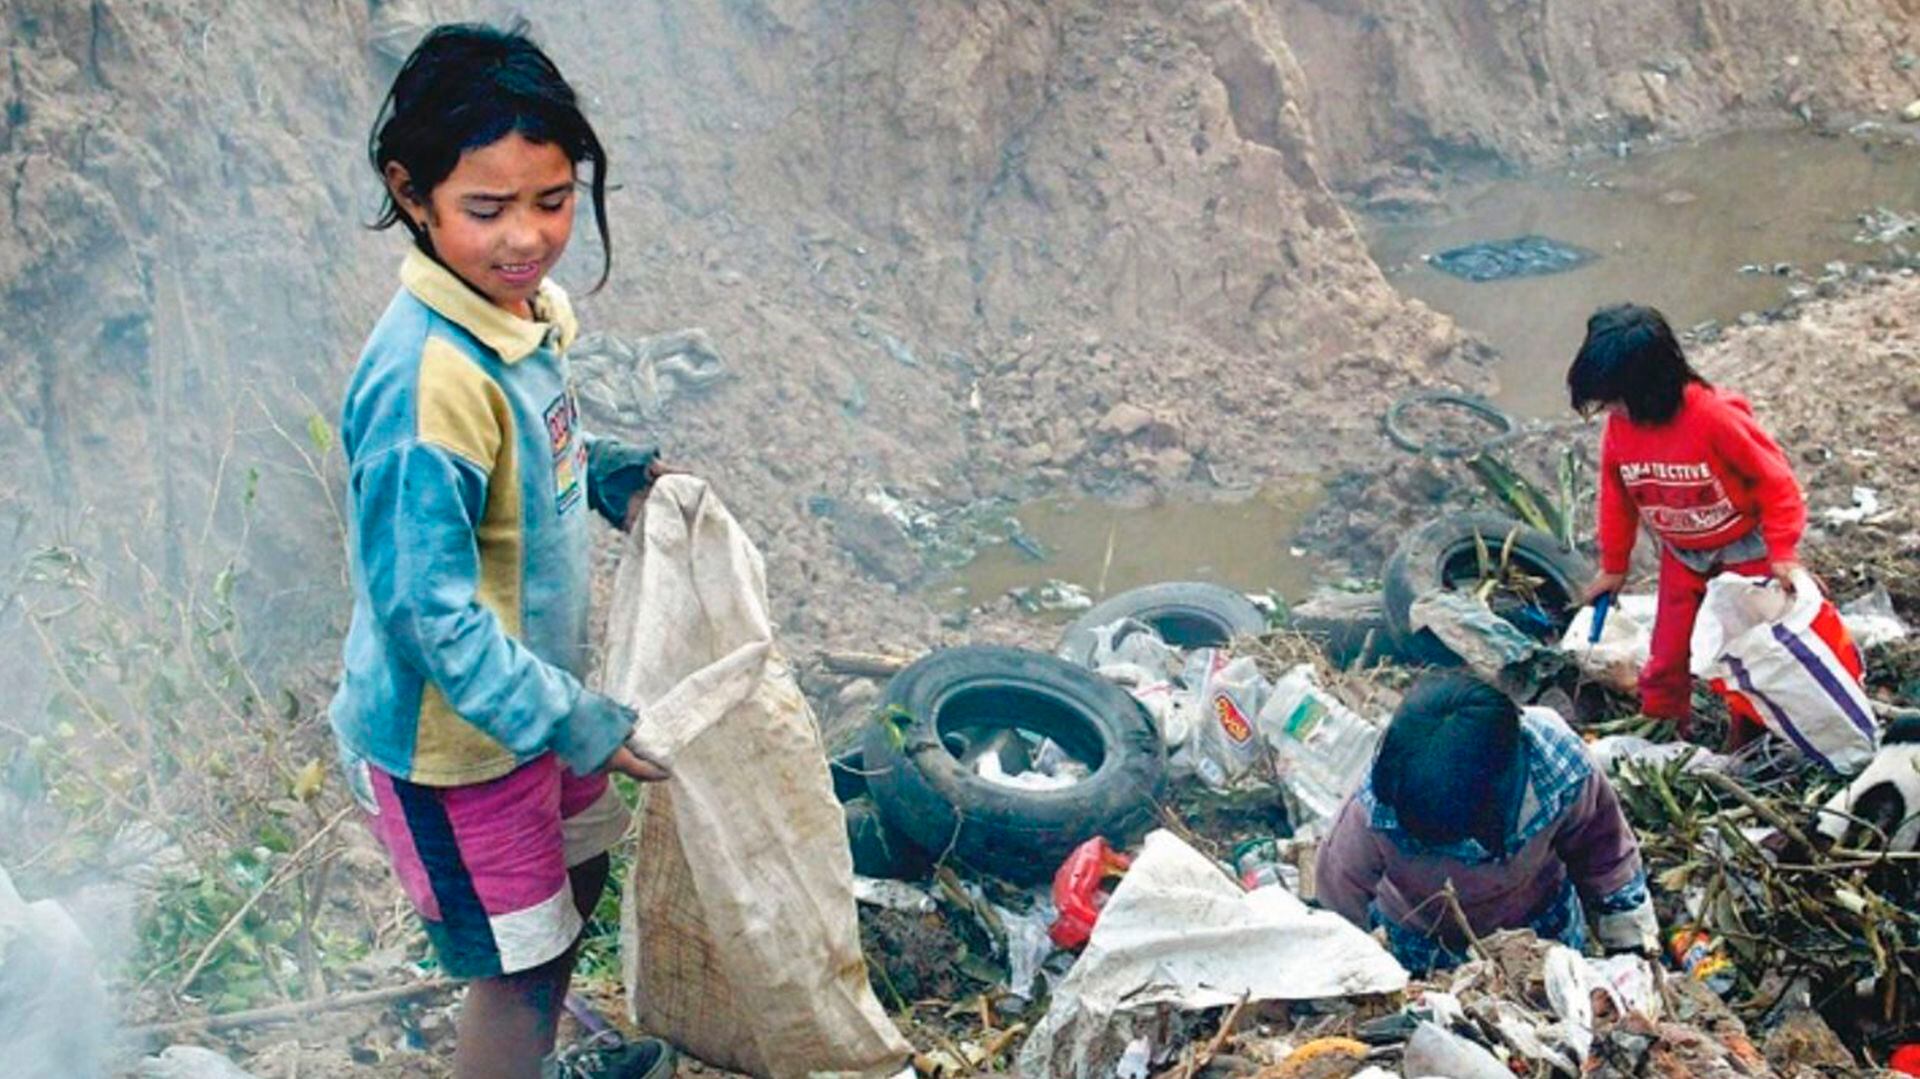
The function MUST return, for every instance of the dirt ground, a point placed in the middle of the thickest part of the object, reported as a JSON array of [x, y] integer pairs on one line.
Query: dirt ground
[[945, 252]]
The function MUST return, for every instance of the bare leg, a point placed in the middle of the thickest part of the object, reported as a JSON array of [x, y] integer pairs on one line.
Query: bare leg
[[508, 1023]]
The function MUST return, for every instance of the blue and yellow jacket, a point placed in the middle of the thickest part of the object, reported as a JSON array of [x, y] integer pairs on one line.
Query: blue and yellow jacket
[[467, 494]]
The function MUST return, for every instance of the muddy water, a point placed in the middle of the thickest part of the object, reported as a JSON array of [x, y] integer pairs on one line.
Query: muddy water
[[1673, 229], [1244, 544]]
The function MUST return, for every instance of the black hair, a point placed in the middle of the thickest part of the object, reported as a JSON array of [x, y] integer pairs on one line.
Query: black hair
[[1450, 763], [468, 85], [1631, 356]]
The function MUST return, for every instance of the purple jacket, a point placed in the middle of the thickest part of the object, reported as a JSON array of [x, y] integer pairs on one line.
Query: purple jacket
[[1570, 827]]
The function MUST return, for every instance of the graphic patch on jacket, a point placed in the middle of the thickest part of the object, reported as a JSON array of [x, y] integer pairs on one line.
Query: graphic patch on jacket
[[569, 453], [1678, 499]]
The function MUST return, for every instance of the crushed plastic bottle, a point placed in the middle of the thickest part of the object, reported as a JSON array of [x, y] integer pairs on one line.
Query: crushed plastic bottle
[[1322, 748]]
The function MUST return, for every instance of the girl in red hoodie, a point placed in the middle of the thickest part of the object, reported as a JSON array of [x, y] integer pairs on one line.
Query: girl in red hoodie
[[1689, 461]]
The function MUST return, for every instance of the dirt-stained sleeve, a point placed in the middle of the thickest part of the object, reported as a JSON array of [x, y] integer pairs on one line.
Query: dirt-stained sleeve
[[1348, 870], [1597, 844]]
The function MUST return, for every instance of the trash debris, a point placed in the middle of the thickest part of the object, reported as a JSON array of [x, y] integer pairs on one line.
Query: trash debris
[[1131, 642], [188, 1062], [1871, 620], [893, 895], [1522, 256], [1883, 226], [1179, 932], [1865, 508], [1054, 595], [1029, 944], [1052, 768], [1321, 747], [1699, 956], [1230, 693], [1081, 887], [1486, 642], [1435, 1050], [52, 1000], [1259, 863], [1626, 639], [1785, 660], [1614, 749]]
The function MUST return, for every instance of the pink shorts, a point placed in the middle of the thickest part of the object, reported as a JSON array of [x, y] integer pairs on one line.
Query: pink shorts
[[486, 864]]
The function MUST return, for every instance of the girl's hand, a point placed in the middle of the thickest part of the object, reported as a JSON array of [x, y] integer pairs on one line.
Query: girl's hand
[[1784, 571], [638, 502], [1604, 583], [634, 766]]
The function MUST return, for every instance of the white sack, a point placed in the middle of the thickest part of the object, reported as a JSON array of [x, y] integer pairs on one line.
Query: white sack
[[739, 941]]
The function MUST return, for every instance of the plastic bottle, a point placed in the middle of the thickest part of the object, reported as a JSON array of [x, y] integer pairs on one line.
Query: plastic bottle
[[1258, 863], [1323, 748], [1699, 955]]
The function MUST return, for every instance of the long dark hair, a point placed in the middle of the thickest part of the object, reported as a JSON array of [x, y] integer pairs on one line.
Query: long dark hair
[[1631, 356], [468, 85]]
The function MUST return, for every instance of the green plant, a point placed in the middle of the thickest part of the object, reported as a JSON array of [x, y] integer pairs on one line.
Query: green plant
[[154, 724]]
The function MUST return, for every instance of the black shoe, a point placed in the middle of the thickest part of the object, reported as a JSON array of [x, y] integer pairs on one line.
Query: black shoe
[[607, 1055]]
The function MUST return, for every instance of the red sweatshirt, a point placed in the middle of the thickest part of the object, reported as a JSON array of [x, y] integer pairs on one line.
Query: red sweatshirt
[[1701, 480]]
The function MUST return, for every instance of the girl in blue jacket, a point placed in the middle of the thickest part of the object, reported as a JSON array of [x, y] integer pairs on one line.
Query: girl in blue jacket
[[467, 734]]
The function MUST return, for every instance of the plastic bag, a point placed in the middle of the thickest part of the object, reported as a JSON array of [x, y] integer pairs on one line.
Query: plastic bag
[[739, 940], [1626, 639], [1484, 641], [1787, 661], [1435, 1050], [53, 1008], [1230, 694]]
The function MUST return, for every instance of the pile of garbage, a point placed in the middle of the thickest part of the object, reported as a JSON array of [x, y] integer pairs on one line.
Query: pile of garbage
[[1115, 947]]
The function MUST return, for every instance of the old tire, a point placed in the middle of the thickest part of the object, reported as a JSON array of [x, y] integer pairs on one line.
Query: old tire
[[1442, 554], [1501, 425], [1186, 614], [922, 789]]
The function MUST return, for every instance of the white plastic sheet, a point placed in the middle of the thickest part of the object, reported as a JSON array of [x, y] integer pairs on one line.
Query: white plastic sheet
[[1178, 931]]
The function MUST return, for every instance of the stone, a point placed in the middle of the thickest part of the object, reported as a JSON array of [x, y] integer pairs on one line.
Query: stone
[[1911, 114], [877, 545], [1124, 421]]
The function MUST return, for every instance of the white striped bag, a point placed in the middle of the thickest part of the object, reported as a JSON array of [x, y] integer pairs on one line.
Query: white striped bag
[[1787, 662]]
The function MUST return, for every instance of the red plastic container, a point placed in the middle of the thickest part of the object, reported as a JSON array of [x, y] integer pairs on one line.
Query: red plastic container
[[1906, 1059], [1080, 889]]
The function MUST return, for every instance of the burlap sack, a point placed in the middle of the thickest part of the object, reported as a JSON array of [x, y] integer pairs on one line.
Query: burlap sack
[[740, 943]]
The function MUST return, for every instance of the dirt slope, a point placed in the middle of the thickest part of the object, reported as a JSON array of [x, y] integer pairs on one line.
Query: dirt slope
[[1398, 88]]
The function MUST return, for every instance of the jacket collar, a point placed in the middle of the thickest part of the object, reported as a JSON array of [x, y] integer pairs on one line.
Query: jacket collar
[[511, 337]]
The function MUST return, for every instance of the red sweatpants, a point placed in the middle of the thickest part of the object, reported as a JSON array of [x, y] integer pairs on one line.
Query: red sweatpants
[[1666, 683]]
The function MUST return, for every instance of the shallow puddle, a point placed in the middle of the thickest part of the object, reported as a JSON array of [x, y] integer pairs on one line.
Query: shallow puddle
[[1673, 229], [1245, 544]]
